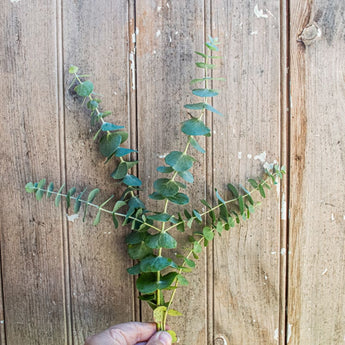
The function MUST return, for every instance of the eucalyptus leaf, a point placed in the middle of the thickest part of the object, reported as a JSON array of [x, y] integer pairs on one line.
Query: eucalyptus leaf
[[194, 127], [109, 143], [84, 89], [179, 199], [205, 92], [161, 240], [166, 187], [196, 145], [107, 126], [179, 161], [131, 180]]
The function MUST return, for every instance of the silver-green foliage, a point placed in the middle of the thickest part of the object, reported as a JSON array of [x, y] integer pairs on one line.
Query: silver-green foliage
[[152, 231]]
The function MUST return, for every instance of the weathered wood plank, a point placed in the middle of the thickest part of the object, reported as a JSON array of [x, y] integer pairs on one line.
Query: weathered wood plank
[[96, 39], [316, 300], [247, 260], [169, 32], [31, 233]]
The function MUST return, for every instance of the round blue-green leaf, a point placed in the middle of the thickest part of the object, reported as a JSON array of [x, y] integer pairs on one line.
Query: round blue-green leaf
[[156, 263], [205, 92], [120, 172], [107, 126], [195, 106], [147, 282], [179, 161], [134, 270], [208, 233], [156, 196], [73, 69], [135, 237], [124, 135], [161, 217], [122, 151], [161, 240], [139, 251], [196, 145], [165, 170], [131, 180], [179, 199], [109, 143], [165, 187], [84, 89], [194, 127], [29, 187]]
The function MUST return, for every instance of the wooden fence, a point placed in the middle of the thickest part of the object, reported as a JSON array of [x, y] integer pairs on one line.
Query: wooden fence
[[279, 278]]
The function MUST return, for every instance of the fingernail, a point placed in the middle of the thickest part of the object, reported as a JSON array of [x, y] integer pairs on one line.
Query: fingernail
[[165, 338]]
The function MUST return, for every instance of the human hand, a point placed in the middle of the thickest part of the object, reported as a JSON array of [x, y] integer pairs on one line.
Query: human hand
[[131, 333]]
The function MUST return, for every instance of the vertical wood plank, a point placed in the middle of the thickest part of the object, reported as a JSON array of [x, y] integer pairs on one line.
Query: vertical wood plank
[[247, 260], [96, 39], [316, 304], [31, 233], [169, 32]]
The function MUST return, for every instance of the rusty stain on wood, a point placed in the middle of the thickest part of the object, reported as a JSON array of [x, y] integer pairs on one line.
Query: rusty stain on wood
[[62, 280]]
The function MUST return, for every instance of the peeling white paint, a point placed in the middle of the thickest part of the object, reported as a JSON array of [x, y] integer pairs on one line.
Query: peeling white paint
[[283, 251], [283, 208], [289, 332], [239, 155], [261, 157], [170, 39], [254, 33], [72, 217], [259, 13], [134, 35], [176, 33], [163, 155], [2, 321], [13, 1], [158, 33], [266, 276], [168, 5], [159, 8], [332, 217], [249, 156], [273, 253], [154, 52], [344, 216], [276, 334], [324, 272], [132, 60]]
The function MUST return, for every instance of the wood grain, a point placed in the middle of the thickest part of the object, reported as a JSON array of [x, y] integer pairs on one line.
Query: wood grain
[[247, 260], [165, 65], [31, 233], [316, 264], [96, 39], [62, 281]]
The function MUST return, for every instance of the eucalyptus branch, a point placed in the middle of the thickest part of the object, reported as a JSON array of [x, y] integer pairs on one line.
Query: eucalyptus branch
[[157, 274], [33, 188]]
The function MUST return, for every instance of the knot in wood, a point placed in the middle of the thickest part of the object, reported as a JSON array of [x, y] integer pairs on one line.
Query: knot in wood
[[221, 340], [310, 34]]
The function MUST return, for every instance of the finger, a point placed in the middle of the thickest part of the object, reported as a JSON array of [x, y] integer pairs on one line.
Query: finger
[[124, 334], [160, 338], [143, 343], [132, 332]]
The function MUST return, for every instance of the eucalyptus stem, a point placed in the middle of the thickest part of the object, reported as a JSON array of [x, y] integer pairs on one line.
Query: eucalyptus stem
[[100, 208]]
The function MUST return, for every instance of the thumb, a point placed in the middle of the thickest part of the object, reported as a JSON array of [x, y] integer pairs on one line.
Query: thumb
[[160, 338]]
